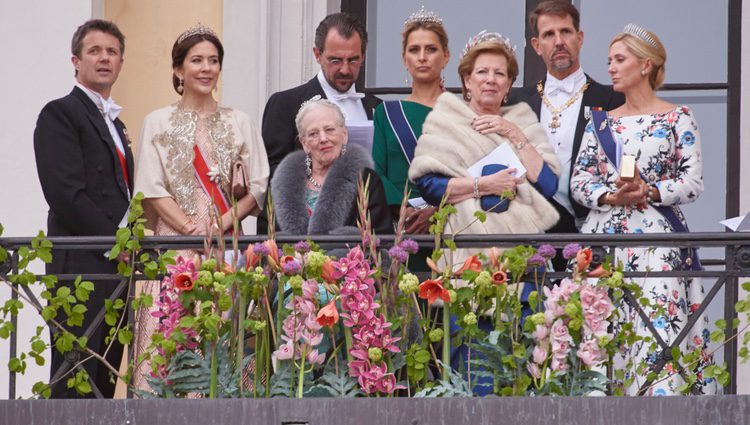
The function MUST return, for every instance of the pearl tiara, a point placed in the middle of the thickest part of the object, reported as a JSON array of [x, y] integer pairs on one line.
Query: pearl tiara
[[423, 16], [198, 29], [641, 33], [484, 36]]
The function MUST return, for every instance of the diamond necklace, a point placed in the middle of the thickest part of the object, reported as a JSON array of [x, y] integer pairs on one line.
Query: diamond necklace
[[314, 182], [555, 123]]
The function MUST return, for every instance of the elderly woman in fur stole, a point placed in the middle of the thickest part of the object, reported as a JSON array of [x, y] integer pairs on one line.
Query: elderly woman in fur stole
[[315, 190], [457, 134]]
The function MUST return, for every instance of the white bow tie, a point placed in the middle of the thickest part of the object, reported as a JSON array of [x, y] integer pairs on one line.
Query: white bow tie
[[348, 95], [111, 109], [555, 86]]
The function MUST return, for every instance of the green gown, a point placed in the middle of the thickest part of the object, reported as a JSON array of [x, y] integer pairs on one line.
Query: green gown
[[390, 161], [392, 166]]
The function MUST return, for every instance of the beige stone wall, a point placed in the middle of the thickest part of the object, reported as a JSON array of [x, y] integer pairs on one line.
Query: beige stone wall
[[151, 28]]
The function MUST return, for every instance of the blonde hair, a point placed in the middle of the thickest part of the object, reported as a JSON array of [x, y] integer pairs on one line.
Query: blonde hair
[[466, 66], [434, 27], [642, 49]]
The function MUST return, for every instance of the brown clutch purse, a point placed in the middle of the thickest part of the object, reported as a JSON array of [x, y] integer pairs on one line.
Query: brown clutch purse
[[240, 184]]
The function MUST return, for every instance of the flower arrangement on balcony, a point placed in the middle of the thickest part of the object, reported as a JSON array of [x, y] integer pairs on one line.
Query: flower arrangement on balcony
[[296, 321], [363, 325]]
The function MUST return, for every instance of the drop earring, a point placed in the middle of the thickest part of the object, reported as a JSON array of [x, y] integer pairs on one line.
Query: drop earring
[[308, 165], [180, 87], [406, 80]]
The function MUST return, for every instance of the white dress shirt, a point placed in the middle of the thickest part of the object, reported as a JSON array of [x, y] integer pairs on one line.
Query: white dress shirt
[[558, 92], [110, 110], [350, 102]]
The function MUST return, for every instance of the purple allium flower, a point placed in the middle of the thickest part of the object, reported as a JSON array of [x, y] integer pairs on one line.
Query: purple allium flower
[[302, 247], [536, 260], [571, 250], [546, 251], [260, 249], [398, 254], [409, 245], [291, 267]]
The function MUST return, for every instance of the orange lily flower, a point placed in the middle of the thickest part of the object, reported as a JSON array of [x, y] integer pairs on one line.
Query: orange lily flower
[[251, 259], [600, 272], [273, 253], [583, 259], [472, 263], [183, 282], [328, 315], [327, 272], [433, 289]]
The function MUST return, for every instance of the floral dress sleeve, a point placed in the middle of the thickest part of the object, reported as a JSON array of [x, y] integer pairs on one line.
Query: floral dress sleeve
[[683, 181], [593, 175]]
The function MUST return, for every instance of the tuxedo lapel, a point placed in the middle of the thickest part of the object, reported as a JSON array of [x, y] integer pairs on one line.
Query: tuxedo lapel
[[314, 88], [97, 120], [535, 100], [123, 132], [586, 102]]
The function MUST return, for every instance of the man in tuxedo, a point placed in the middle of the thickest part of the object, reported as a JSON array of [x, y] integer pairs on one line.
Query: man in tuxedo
[[85, 168], [561, 98], [340, 44]]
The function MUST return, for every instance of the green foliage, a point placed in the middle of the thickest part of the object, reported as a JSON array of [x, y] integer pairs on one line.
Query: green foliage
[[417, 360], [454, 386], [80, 382], [331, 384], [283, 381]]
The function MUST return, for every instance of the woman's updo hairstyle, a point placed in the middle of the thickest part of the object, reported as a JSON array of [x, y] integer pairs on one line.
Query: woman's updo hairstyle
[[645, 45], [186, 41]]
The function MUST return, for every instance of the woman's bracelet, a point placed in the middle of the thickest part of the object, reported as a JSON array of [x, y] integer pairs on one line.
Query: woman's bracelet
[[521, 145], [476, 188], [182, 228], [649, 197]]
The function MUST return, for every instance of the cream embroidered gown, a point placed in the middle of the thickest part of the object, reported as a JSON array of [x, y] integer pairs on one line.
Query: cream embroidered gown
[[164, 168]]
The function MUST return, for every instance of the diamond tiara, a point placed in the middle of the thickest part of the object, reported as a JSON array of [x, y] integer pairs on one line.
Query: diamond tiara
[[487, 36], [198, 29], [640, 32], [423, 16], [310, 101]]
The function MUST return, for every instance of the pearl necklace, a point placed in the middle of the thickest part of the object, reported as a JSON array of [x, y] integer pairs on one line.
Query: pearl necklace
[[555, 123]]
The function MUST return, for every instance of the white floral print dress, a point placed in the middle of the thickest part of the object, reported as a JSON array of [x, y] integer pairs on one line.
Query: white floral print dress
[[668, 155]]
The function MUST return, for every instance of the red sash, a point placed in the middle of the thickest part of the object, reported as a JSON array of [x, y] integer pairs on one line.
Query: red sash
[[210, 187], [124, 165]]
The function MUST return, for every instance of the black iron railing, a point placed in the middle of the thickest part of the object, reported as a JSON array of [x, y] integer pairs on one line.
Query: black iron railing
[[725, 270]]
